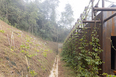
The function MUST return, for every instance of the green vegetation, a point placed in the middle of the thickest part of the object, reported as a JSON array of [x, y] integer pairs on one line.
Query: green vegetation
[[33, 73], [65, 23], [105, 74], [67, 16], [80, 52], [37, 17], [84, 62], [44, 54], [2, 31]]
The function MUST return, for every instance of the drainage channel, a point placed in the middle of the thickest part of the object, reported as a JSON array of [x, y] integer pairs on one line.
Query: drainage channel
[[54, 71]]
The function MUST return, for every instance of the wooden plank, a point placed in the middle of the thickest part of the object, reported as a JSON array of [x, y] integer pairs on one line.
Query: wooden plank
[[104, 9], [92, 21]]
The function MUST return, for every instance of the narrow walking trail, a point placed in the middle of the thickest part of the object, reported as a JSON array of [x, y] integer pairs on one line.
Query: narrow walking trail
[[60, 68], [57, 70], [54, 71]]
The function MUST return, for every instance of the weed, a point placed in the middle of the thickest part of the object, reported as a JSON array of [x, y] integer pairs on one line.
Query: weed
[[22, 51], [31, 43], [22, 46], [51, 51], [35, 54], [37, 50], [25, 46], [29, 55], [2, 31], [25, 52], [28, 39], [39, 60], [37, 45], [105, 74], [46, 50], [43, 68], [42, 50], [44, 54], [33, 73], [11, 49], [19, 35]]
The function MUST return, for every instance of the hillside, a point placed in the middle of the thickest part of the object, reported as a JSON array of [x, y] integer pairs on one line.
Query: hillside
[[23, 55]]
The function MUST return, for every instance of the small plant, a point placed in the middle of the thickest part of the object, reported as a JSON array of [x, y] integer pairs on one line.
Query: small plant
[[39, 60], [22, 51], [19, 35], [11, 49], [37, 45], [25, 46], [44, 54], [38, 51], [46, 50], [51, 51], [33, 73], [25, 52], [28, 39], [2, 31], [35, 54], [22, 46], [105, 74], [29, 55], [43, 68]]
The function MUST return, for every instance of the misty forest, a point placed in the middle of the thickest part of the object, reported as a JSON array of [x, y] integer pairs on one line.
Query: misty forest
[[38, 17], [32, 33], [40, 38]]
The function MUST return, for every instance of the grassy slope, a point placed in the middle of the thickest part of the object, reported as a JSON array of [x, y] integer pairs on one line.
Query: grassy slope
[[22, 54]]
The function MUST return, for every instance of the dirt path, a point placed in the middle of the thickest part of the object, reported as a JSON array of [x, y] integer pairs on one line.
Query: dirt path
[[60, 69], [57, 70], [60, 65], [54, 71]]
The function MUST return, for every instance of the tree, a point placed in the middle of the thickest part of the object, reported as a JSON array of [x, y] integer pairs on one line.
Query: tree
[[65, 23], [47, 21], [38, 18], [48, 7], [67, 17], [62, 33]]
